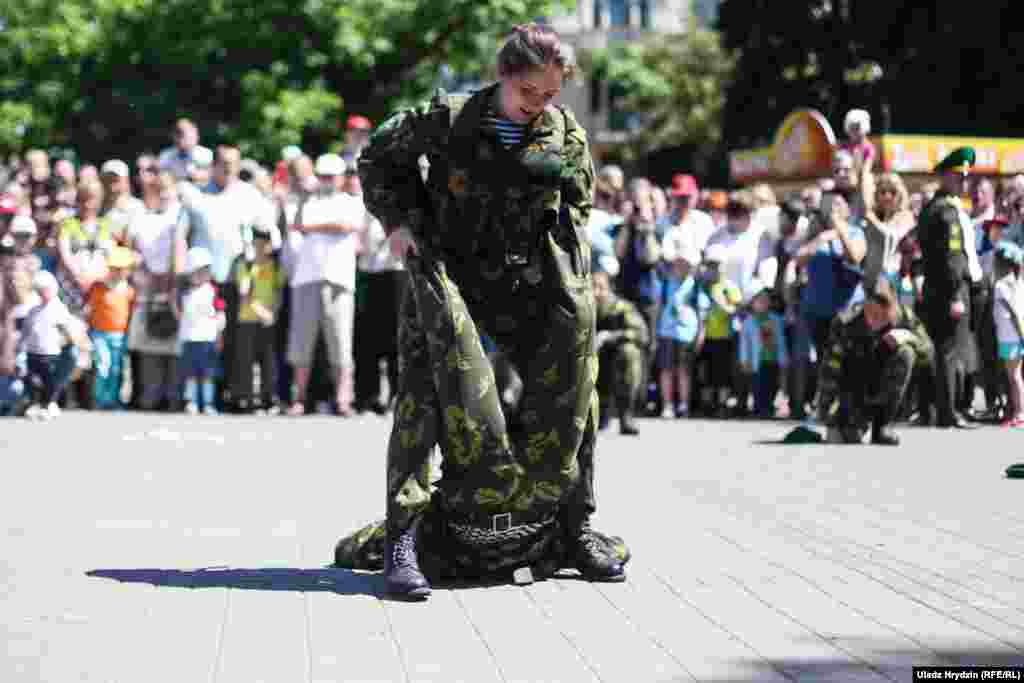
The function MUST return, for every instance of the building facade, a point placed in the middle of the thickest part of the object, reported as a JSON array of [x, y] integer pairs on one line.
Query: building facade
[[599, 24]]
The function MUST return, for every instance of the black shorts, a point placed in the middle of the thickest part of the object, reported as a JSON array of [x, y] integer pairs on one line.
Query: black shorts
[[674, 355], [721, 361]]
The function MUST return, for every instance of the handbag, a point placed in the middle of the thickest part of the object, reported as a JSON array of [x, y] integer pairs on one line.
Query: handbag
[[161, 323]]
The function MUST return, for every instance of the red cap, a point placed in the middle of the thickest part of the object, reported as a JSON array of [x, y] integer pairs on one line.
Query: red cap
[[358, 123], [7, 206], [684, 185]]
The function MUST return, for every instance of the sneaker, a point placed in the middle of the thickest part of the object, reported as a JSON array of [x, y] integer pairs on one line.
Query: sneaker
[[296, 409], [52, 411], [666, 413], [34, 412], [210, 411], [191, 408]]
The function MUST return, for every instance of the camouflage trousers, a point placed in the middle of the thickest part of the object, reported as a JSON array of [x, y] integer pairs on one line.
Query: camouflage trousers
[[543, 467], [857, 394], [621, 375]]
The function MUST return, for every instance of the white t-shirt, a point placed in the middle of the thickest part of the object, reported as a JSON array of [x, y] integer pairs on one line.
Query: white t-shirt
[[691, 235], [153, 235], [229, 213], [742, 251], [47, 328], [1008, 291], [200, 319], [329, 257], [378, 254]]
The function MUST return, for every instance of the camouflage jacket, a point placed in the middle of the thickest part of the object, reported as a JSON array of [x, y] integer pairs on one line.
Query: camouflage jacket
[[852, 340], [622, 318], [481, 207]]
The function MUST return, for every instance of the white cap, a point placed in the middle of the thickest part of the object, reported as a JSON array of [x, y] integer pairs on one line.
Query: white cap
[[23, 225], [716, 253], [290, 153], [202, 156], [116, 167], [44, 279], [858, 116], [198, 257], [330, 164]]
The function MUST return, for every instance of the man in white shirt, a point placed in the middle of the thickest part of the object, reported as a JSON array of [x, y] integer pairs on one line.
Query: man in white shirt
[[232, 208], [691, 228], [178, 158], [323, 282], [741, 239]]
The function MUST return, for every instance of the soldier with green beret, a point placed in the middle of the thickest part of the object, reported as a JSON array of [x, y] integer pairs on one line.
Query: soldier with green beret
[[497, 224], [950, 263], [874, 348], [622, 340]]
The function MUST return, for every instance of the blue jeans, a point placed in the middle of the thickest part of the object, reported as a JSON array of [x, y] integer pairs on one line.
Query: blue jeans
[[108, 361], [49, 375], [11, 391]]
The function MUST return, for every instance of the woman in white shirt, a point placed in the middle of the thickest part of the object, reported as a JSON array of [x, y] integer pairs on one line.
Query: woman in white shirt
[[158, 234]]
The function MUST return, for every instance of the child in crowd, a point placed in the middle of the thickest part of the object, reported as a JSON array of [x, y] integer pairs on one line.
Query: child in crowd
[[201, 323], [684, 305], [108, 308], [260, 287], [47, 332], [1008, 307], [763, 351], [719, 329]]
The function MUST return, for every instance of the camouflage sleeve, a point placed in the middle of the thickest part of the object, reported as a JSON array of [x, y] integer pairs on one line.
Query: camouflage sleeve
[[635, 325], [577, 173], [924, 349], [393, 187]]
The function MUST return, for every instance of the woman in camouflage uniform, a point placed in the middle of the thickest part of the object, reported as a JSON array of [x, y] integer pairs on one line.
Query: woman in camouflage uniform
[[497, 246]]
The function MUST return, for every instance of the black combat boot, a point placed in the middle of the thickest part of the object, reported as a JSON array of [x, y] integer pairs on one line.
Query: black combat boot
[[595, 558], [627, 425], [881, 432], [402, 575]]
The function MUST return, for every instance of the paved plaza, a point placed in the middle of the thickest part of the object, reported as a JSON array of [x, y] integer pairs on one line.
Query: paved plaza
[[143, 548]]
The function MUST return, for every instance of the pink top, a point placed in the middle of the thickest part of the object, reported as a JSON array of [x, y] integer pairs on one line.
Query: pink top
[[864, 149]]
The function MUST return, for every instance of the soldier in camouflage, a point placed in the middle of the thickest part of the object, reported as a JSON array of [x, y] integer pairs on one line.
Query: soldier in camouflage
[[873, 350], [622, 340], [498, 245]]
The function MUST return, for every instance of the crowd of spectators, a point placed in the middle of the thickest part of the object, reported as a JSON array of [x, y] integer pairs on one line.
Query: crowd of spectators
[[199, 281], [205, 282], [740, 287]]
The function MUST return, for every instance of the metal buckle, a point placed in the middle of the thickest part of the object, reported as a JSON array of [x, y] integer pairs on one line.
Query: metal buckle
[[502, 522], [516, 259]]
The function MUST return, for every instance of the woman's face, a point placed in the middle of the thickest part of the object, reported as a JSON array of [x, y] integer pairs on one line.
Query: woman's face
[[88, 202], [525, 95], [878, 316], [886, 197]]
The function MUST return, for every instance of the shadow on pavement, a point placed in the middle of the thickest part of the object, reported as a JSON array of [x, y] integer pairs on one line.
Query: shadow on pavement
[[894, 661], [341, 581]]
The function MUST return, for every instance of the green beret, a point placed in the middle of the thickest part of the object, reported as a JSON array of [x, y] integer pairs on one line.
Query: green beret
[[960, 159]]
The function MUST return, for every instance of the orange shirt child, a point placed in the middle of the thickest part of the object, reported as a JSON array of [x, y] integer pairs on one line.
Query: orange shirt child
[[110, 307]]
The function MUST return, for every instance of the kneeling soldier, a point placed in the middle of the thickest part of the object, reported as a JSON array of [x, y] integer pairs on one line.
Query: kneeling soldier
[[872, 353], [621, 343]]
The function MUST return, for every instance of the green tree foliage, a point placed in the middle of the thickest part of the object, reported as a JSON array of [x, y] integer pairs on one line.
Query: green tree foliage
[[919, 66], [676, 83], [110, 76]]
